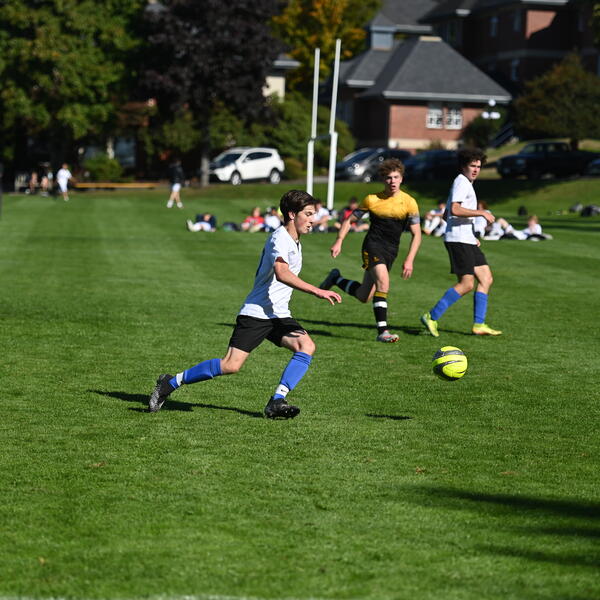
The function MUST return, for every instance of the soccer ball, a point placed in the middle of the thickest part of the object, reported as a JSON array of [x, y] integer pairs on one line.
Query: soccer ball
[[449, 363]]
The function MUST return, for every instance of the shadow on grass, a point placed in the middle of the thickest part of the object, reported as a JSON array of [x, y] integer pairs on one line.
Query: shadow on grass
[[567, 518], [173, 404], [391, 417], [406, 329]]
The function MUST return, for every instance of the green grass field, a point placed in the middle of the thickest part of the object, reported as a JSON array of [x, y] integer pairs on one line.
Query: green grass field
[[391, 483]]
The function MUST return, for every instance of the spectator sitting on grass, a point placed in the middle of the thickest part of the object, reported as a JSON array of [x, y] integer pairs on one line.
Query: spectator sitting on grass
[[272, 219], [254, 221], [204, 222]]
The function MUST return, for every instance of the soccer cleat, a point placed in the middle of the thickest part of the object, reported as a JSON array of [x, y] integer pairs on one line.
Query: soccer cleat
[[430, 324], [161, 391], [483, 329], [387, 338], [330, 280], [278, 408]]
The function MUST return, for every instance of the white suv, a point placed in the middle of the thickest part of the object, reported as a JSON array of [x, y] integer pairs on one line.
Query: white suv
[[243, 164]]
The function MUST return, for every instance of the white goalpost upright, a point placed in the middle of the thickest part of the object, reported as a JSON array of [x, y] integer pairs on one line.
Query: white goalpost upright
[[332, 134]]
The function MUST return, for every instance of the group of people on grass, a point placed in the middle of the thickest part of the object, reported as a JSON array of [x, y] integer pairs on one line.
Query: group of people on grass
[[265, 313], [42, 181], [271, 219]]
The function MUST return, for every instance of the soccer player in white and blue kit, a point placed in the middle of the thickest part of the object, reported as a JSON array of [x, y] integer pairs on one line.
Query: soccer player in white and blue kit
[[265, 314], [467, 261]]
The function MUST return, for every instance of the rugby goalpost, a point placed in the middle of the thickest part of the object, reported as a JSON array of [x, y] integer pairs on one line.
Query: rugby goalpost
[[332, 134]]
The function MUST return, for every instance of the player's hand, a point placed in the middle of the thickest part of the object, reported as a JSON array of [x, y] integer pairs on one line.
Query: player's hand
[[407, 269], [329, 295], [489, 217], [336, 248]]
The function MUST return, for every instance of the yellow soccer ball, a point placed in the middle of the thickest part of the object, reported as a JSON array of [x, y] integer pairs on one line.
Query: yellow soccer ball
[[449, 363]]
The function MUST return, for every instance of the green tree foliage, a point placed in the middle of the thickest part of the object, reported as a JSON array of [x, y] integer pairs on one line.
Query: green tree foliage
[[308, 24], [203, 55], [288, 130], [62, 66], [562, 102], [480, 131]]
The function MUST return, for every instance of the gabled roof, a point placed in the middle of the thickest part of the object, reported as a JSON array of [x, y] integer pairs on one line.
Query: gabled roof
[[363, 70], [402, 16], [428, 69], [463, 8]]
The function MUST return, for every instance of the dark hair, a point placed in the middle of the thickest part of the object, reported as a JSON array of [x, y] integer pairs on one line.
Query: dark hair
[[294, 201], [466, 156], [389, 166]]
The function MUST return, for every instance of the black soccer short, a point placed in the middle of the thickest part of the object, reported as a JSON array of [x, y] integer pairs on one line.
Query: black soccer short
[[250, 332], [464, 258], [376, 254]]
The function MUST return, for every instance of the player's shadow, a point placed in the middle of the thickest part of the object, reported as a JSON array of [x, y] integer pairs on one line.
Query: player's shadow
[[173, 404], [405, 329], [391, 417]]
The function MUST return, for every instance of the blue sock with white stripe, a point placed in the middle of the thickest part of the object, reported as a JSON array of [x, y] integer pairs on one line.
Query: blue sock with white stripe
[[444, 303], [293, 373], [480, 302], [207, 369]]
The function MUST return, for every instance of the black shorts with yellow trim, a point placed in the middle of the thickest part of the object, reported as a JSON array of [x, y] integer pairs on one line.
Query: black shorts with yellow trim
[[250, 332], [377, 254], [464, 258]]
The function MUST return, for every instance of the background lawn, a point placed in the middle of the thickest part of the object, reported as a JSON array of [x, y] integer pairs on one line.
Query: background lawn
[[390, 484]]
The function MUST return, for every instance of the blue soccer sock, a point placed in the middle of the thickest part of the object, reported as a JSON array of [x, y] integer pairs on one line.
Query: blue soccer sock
[[207, 369], [444, 303], [293, 373], [480, 302]]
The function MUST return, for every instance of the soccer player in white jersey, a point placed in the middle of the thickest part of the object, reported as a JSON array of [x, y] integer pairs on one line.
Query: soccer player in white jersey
[[265, 314], [467, 261]]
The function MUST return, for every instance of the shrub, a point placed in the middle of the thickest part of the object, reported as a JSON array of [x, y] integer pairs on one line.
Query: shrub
[[103, 168], [294, 168]]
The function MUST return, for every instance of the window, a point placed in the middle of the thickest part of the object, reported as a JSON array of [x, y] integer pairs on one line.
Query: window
[[517, 20], [514, 70], [435, 115], [454, 116], [494, 26]]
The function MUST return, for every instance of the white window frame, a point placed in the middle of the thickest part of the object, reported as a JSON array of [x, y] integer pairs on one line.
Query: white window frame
[[453, 117], [435, 116]]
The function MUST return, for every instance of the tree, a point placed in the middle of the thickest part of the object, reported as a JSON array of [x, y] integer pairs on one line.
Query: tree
[[308, 24], [562, 102], [63, 69], [202, 55]]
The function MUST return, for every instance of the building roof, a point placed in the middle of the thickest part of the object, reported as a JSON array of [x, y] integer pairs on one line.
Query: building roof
[[403, 16], [463, 8], [427, 69], [362, 70]]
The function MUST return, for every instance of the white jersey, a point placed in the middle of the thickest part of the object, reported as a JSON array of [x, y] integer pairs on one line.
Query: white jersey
[[460, 229], [269, 298], [63, 176]]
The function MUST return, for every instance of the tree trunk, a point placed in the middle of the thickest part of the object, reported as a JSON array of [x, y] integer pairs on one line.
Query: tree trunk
[[574, 144]]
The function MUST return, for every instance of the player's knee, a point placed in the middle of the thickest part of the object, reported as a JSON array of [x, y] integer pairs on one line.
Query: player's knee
[[229, 367], [306, 345]]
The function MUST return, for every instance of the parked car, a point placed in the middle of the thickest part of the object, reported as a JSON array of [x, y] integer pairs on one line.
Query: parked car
[[362, 164], [431, 164], [541, 158], [372, 169], [237, 165], [593, 168]]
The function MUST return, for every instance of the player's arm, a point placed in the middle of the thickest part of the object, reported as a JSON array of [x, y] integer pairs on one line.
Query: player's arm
[[458, 210], [415, 243], [284, 275], [343, 232]]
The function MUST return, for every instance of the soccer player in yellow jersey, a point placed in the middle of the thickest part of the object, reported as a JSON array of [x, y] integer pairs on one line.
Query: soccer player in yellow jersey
[[390, 213]]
